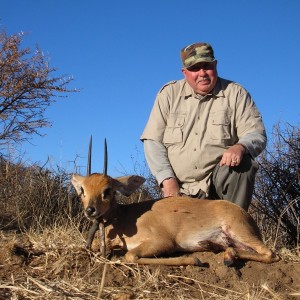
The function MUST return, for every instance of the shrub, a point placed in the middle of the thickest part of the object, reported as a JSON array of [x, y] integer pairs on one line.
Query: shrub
[[277, 190]]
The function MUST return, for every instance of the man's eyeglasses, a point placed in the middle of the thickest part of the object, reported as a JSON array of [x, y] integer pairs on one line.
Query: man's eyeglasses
[[202, 65]]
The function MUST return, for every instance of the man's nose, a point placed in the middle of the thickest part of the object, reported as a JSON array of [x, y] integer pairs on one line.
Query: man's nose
[[202, 72]]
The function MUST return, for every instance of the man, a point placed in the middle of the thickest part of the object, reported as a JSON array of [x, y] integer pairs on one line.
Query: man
[[203, 133]]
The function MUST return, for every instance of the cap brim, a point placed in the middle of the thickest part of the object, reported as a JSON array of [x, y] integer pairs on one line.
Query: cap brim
[[199, 60]]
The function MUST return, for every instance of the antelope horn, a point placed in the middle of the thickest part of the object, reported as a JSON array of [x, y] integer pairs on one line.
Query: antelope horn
[[89, 162], [101, 224], [105, 158]]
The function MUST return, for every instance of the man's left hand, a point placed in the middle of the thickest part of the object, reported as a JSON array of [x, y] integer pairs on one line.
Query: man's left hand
[[233, 156]]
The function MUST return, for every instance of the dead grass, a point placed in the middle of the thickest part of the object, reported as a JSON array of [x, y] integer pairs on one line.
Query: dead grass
[[42, 254], [55, 265]]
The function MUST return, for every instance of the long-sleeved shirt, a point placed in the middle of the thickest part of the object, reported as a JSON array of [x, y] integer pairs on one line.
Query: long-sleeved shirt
[[187, 134]]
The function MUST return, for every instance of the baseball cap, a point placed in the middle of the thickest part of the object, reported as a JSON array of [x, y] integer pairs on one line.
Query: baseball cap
[[195, 53]]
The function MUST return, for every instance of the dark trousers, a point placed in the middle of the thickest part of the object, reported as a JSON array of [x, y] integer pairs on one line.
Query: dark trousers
[[235, 184]]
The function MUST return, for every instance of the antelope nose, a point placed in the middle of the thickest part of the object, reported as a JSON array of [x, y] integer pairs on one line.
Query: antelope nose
[[90, 210]]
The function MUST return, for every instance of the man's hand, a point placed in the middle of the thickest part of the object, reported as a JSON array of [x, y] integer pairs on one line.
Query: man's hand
[[170, 187], [233, 156]]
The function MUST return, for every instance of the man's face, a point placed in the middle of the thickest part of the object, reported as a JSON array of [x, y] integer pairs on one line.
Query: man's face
[[202, 77]]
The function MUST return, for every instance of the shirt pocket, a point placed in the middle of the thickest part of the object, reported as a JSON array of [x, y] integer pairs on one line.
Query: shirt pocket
[[219, 126], [173, 133]]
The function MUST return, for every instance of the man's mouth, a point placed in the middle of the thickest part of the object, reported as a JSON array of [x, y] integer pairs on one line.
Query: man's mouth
[[204, 79]]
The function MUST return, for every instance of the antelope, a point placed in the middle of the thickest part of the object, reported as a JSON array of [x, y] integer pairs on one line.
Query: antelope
[[152, 231]]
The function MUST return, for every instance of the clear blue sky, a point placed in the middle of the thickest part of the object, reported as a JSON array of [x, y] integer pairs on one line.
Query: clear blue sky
[[121, 52]]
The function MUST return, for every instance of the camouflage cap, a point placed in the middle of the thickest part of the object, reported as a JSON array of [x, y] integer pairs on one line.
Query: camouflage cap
[[198, 52]]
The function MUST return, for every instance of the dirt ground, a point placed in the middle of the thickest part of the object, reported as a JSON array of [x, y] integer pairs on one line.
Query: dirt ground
[[32, 268]]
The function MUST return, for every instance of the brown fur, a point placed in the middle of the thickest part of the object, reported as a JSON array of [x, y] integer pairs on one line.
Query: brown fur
[[153, 228]]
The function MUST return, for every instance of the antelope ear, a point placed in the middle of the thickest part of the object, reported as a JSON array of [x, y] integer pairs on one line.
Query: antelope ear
[[126, 185], [77, 182]]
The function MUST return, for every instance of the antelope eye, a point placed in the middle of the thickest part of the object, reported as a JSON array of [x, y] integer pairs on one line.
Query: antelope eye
[[107, 192], [81, 192]]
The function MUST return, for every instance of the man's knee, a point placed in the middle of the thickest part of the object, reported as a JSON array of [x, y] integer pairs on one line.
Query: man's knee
[[235, 184]]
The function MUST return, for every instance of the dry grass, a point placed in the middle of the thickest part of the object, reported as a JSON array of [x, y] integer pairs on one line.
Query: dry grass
[[42, 254], [58, 266]]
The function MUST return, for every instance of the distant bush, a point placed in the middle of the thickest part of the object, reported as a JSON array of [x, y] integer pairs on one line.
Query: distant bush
[[277, 189], [34, 197]]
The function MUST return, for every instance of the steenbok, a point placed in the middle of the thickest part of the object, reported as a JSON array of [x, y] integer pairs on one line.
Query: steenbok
[[151, 229]]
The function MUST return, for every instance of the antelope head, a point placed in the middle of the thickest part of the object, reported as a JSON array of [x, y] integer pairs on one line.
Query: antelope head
[[97, 191]]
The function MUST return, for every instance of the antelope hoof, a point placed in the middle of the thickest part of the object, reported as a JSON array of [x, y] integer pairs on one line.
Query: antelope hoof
[[88, 244], [199, 263], [229, 257], [228, 262]]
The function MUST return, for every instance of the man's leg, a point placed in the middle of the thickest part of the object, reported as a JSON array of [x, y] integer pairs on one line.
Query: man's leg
[[235, 184]]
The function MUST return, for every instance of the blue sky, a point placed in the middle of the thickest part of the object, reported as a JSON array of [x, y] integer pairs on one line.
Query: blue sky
[[121, 52]]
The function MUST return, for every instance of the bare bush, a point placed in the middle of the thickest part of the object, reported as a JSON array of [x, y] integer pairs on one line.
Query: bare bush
[[277, 189], [27, 88], [34, 197]]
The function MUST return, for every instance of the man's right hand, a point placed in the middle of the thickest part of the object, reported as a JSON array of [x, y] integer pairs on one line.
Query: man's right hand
[[170, 187]]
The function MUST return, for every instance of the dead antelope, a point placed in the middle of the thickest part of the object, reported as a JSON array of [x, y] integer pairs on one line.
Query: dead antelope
[[150, 229]]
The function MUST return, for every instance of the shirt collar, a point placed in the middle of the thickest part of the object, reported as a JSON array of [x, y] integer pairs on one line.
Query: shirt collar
[[217, 91]]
